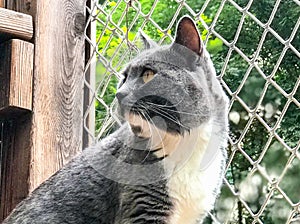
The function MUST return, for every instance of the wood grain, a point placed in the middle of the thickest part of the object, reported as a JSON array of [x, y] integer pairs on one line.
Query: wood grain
[[16, 162], [56, 133], [2, 3], [16, 76], [15, 25], [23, 6], [52, 135]]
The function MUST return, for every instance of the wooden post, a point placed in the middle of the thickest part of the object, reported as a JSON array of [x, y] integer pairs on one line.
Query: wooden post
[[16, 77], [51, 136], [24, 6], [56, 127], [16, 162], [16, 71], [56, 131]]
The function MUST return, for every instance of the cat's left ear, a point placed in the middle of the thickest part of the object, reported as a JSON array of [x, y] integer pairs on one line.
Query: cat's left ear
[[187, 35], [148, 43]]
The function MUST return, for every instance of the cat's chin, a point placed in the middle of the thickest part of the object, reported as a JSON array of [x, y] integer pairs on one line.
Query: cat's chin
[[161, 141], [139, 126]]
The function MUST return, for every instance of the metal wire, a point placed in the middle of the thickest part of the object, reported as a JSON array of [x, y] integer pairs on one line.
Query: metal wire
[[234, 200]]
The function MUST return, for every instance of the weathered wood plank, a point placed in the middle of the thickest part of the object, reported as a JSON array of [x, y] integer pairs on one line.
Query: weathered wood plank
[[52, 134], [15, 25], [2, 3], [16, 163], [16, 75], [18, 5], [24, 6], [16, 64], [56, 133]]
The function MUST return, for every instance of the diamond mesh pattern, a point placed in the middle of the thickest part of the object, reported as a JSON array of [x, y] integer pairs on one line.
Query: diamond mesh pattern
[[254, 66]]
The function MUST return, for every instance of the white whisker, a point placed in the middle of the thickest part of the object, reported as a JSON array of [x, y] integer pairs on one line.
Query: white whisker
[[141, 115], [170, 110], [167, 116], [158, 132]]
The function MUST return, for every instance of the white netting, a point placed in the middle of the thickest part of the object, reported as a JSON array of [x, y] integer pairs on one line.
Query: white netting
[[255, 47]]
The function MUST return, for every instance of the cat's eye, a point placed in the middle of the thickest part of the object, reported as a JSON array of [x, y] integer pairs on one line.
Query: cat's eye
[[148, 75]]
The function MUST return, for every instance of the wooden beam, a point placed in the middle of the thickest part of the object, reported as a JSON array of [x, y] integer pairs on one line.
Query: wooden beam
[[2, 3], [16, 75], [15, 162], [56, 132], [52, 135], [16, 122], [24, 6], [15, 25]]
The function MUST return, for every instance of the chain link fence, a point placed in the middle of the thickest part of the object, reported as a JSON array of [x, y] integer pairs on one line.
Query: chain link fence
[[255, 47]]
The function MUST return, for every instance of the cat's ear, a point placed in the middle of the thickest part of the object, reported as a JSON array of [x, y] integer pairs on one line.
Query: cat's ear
[[148, 43], [187, 35]]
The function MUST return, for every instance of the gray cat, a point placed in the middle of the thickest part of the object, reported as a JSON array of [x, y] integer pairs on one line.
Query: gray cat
[[164, 164]]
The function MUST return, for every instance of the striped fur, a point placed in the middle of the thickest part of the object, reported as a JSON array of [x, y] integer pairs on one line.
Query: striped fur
[[164, 164]]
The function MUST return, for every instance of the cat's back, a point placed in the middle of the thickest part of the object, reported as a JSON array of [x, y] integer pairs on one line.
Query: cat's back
[[76, 194]]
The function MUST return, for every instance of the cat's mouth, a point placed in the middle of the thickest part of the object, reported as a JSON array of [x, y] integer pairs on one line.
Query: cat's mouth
[[161, 141], [139, 126], [152, 111]]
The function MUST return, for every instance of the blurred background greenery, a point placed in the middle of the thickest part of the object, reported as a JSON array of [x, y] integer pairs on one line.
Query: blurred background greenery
[[263, 175]]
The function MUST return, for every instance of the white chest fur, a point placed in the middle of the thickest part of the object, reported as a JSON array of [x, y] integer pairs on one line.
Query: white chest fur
[[190, 188]]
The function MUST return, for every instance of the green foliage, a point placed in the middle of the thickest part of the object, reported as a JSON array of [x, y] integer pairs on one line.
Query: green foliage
[[112, 46], [101, 111], [271, 108], [259, 95]]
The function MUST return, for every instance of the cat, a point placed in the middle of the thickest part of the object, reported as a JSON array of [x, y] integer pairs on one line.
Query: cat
[[165, 163]]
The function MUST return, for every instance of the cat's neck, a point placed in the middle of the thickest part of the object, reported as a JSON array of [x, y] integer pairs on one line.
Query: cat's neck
[[184, 149], [188, 192]]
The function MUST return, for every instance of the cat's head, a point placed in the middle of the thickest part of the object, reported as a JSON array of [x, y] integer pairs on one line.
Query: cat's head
[[172, 87]]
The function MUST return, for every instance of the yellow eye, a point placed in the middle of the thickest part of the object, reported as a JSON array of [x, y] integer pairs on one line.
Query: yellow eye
[[148, 75]]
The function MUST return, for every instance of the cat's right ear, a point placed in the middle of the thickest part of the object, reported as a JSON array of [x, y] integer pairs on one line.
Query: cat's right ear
[[148, 43], [188, 35]]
